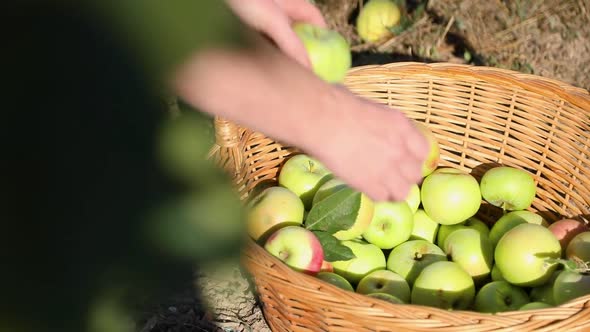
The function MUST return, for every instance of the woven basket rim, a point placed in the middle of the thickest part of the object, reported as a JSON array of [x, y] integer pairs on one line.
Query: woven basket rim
[[543, 85]]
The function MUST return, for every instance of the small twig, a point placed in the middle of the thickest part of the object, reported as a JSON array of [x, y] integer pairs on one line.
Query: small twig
[[447, 28], [384, 46]]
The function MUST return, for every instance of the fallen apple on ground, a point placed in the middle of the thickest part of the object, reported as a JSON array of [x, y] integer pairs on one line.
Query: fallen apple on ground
[[376, 18]]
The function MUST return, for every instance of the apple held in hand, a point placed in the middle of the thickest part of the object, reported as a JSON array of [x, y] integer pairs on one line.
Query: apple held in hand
[[450, 196], [566, 229], [579, 247], [444, 285], [525, 255], [271, 209], [472, 250], [570, 285], [304, 175], [335, 279], [500, 296], [376, 18], [508, 187], [472, 223], [328, 51], [433, 157], [385, 281], [511, 220], [424, 227], [298, 248], [411, 257], [391, 225], [413, 198], [368, 258]]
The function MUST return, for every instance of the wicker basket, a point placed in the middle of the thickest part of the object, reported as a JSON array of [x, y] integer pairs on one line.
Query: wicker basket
[[481, 117]]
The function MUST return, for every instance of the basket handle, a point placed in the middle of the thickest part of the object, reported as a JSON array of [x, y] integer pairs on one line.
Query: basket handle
[[226, 133]]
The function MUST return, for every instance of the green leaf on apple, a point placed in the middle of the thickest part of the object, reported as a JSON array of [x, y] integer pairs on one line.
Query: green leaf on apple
[[333, 249], [336, 212]]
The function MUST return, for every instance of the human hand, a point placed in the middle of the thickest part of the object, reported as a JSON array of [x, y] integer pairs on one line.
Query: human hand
[[371, 147], [275, 18]]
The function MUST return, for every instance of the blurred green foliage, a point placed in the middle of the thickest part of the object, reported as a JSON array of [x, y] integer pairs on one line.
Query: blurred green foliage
[[107, 199]]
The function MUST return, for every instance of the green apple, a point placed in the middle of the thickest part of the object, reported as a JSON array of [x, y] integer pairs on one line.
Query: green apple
[[271, 209], [535, 306], [570, 285], [566, 229], [304, 175], [298, 248], [579, 247], [335, 279], [472, 222], [411, 257], [386, 297], [413, 198], [432, 159], [450, 196], [385, 281], [472, 250], [328, 51], [544, 292], [525, 255], [391, 225], [508, 187], [496, 274], [331, 186], [424, 227], [511, 220], [362, 222], [444, 285], [368, 258], [500, 296], [376, 18]]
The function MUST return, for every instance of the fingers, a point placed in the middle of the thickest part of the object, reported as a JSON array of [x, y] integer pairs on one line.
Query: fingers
[[268, 17], [302, 11]]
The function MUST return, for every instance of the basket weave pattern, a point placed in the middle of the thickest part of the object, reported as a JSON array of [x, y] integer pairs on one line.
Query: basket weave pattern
[[481, 117]]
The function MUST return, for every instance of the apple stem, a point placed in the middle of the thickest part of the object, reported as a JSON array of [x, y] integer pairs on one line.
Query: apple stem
[[311, 165], [574, 264]]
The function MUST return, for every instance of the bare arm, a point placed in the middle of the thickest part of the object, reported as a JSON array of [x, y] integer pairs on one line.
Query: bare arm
[[373, 148]]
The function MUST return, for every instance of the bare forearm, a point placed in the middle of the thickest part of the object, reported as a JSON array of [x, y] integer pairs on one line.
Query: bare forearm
[[261, 90]]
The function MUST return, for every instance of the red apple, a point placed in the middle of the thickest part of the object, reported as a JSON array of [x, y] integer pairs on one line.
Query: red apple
[[566, 229], [297, 247]]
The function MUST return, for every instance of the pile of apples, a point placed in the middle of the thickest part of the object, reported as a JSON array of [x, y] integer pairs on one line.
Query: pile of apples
[[430, 249]]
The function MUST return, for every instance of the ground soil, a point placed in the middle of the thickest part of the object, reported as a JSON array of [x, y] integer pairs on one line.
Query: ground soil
[[549, 38]]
